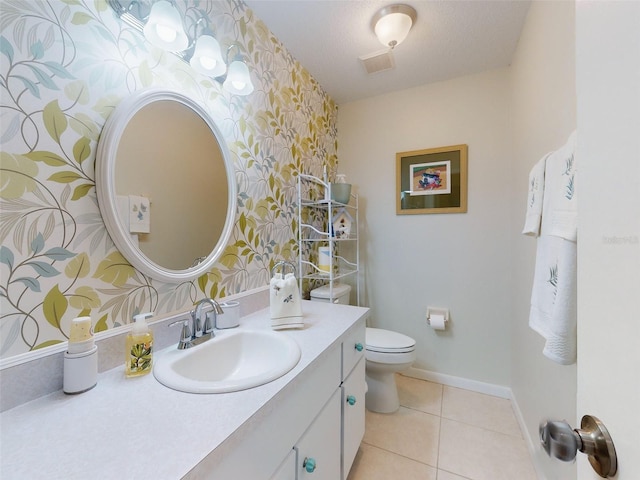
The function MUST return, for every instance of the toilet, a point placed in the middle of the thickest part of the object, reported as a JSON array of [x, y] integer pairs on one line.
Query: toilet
[[386, 353], [341, 293]]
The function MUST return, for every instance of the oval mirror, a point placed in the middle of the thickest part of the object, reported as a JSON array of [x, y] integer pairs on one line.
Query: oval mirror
[[165, 184]]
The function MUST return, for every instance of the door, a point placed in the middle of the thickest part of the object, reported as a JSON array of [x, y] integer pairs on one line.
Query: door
[[354, 389], [318, 450], [287, 469], [608, 88]]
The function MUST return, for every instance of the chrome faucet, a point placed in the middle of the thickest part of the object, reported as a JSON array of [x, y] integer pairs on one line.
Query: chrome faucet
[[200, 330]]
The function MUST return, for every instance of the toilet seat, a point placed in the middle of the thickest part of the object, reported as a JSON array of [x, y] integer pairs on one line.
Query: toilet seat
[[385, 341]]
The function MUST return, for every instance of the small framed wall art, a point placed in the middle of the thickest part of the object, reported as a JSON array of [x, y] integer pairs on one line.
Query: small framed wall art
[[432, 180]]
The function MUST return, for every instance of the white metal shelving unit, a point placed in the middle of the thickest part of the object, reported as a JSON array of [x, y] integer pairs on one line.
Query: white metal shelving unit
[[316, 211]]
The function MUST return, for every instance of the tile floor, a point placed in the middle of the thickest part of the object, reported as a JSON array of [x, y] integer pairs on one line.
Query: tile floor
[[443, 433]]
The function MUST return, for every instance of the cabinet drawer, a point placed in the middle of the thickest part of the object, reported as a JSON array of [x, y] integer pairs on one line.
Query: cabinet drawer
[[354, 389], [353, 348], [318, 456]]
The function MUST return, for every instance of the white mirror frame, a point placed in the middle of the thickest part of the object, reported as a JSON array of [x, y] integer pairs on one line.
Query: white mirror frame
[[105, 185]]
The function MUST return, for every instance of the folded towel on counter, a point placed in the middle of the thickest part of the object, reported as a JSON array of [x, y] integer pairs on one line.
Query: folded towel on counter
[[285, 302], [553, 311]]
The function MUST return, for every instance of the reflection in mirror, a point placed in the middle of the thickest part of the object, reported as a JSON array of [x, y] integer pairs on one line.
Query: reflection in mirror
[[177, 167], [163, 185]]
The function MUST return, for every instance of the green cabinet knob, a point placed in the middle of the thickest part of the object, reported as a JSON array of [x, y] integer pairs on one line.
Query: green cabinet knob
[[359, 347], [309, 465], [351, 400]]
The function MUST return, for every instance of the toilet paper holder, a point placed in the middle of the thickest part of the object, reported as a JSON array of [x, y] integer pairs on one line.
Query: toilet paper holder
[[437, 311]]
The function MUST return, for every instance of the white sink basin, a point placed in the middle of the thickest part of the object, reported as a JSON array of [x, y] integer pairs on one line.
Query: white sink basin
[[232, 361]]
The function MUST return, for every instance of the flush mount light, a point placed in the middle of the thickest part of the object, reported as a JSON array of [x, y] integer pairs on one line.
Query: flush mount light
[[188, 36], [391, 24]]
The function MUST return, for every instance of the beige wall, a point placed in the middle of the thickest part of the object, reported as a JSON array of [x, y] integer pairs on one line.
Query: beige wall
[[477, 264], [457, 261]]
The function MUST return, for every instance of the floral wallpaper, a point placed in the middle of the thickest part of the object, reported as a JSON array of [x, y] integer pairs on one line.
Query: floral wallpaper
[[64, 66]]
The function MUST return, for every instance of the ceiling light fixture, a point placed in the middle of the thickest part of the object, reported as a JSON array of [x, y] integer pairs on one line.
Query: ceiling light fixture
[[163, 26], [391, 24]]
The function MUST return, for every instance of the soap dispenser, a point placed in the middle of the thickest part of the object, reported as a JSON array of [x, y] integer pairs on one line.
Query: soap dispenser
[[139, 347]]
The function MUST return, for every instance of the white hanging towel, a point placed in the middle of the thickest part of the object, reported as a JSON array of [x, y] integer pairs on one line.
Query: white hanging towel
[[534, 198], [122, 202], [139, 214], [285, 302], [553, 311]]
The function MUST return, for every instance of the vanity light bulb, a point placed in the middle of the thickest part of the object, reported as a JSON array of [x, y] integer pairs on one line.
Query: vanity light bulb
[[207, 58], [167, 34], [164, 28], [238, 85], [238, 79], [208, 63]]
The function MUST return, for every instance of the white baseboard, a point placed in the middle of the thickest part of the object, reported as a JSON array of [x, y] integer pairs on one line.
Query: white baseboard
[[528, 439], [488, 389], [459, 382]]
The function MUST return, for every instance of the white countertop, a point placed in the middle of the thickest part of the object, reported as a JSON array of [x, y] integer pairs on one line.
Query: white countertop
[[137, 428]]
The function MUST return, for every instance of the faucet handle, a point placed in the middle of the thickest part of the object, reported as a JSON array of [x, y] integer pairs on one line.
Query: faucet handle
[[204, 325], [185, 334], [197, 323], [211, 318], [208, 323]]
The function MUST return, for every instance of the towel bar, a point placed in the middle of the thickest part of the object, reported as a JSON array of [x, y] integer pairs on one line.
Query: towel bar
[[282, 264]]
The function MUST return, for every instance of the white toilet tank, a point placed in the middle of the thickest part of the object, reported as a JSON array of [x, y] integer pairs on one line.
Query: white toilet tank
[[340, 295]]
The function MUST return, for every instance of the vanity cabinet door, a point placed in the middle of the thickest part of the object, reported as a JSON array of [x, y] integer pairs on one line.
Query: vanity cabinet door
[[318, 450], [287, 469], [353, 414]]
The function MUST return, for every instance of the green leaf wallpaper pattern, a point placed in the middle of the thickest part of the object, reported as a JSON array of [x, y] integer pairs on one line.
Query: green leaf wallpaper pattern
[[64, 66]]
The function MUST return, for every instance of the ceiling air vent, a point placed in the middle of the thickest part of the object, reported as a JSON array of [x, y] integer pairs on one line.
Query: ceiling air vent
[[378, 61]]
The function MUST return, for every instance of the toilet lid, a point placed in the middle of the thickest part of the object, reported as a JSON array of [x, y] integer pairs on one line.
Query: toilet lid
[[386, 341]]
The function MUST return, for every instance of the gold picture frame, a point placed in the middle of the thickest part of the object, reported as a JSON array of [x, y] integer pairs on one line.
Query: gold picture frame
[[433, 180]]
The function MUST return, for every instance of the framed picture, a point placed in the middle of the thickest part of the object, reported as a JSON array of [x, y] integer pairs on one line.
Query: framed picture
[[432, 180]]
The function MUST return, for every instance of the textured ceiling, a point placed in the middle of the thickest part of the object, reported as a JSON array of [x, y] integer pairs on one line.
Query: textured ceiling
[[450, 38]]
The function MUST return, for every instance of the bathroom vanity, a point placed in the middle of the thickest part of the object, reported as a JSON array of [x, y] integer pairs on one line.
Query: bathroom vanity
[[305, 424]]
